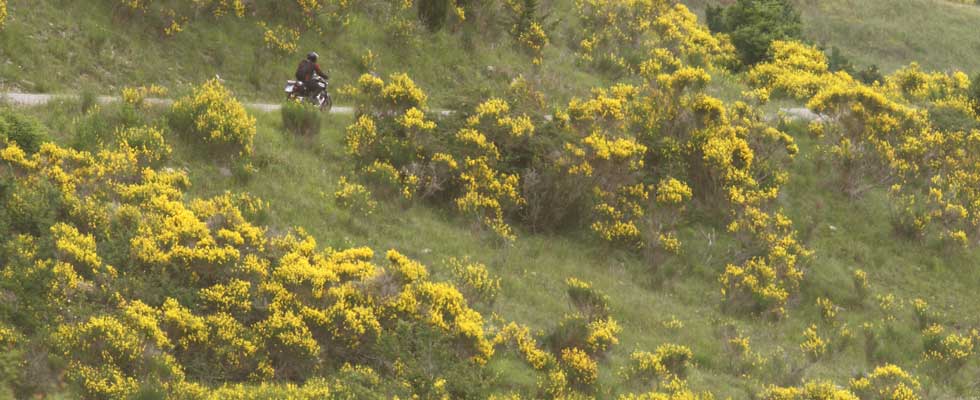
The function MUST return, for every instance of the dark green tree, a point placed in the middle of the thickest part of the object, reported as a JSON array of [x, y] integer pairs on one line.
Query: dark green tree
[[754, 24], [433, 13]]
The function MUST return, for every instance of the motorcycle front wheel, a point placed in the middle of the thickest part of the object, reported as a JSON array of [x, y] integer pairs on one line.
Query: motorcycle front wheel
[[326, 103]]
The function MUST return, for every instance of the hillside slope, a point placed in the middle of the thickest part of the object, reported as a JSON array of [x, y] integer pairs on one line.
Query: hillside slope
[[132, 268], [101, 50], [938, 34]]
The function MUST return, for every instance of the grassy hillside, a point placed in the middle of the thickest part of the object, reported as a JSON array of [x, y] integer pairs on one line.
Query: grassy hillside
[[938, 34], [846, 235], [656, 297], [101, 50], [878, 32]]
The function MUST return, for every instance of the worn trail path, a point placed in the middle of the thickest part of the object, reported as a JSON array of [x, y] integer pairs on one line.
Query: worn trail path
[[30, 99]]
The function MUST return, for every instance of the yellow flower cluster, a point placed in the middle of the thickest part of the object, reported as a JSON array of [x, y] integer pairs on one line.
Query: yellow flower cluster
[[527, 30], [486, 193], [602, 335], [887, 382], [813, 345], [394, 131], [674, 390], [534, 40], [475, 279], [796, 70], [828, 310], [861, 285], [713, 145], [810, 390], [673, 191], [581, 370], [526, 345], [391, 117], [136, 96], [617, 214], [390, 181], [354, 197], [3, 12], [892, 132], [670, 361], [79, 250], [915, 84], [628, 159], [146, 143], [619, 30], [743, 359], [253, 305], [921, 309], [578, 343], [888, 304], [495, 114], [134, 5], [280, 39], [211, 115], [172, 17], [361, 137], [952, 351], [336, 10]]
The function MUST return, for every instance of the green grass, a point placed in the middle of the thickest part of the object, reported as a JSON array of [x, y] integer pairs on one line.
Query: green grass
[[938, 34], [298, 175], [63, 46]]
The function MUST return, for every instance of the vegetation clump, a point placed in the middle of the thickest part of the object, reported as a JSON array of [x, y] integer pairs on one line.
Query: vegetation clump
[[301, 118], [754, 24], [213, 118], [669, 187]]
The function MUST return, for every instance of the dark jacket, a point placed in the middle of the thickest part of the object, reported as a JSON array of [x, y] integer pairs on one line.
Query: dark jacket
[[306, 71]]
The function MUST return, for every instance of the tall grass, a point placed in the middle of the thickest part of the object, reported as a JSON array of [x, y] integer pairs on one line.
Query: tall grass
[[300, 118]]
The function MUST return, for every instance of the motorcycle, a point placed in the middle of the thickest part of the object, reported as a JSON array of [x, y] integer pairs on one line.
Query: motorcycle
[[317, 95]]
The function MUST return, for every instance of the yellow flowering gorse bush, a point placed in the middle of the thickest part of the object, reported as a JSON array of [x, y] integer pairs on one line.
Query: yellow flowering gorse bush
[[254, 305], [892, 135], [213, 117], [136, 96]]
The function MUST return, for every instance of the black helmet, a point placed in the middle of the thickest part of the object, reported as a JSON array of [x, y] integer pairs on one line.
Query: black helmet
[[312, 56]]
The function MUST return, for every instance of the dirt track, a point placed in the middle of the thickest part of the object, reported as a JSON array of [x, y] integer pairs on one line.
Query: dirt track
[[29, 99]]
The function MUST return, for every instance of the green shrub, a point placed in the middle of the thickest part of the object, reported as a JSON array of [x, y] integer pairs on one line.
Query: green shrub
[[432, 364], [87, 100], [26, 131], [754, 24], [870, 75], [301, 118], [837, 61], [11, 363], [433, 13], [91, 130], [587, 300], [571, 332], [952, 119], [28, 208]]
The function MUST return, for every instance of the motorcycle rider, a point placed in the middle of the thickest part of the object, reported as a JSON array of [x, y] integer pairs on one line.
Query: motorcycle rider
[[308, 70]]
